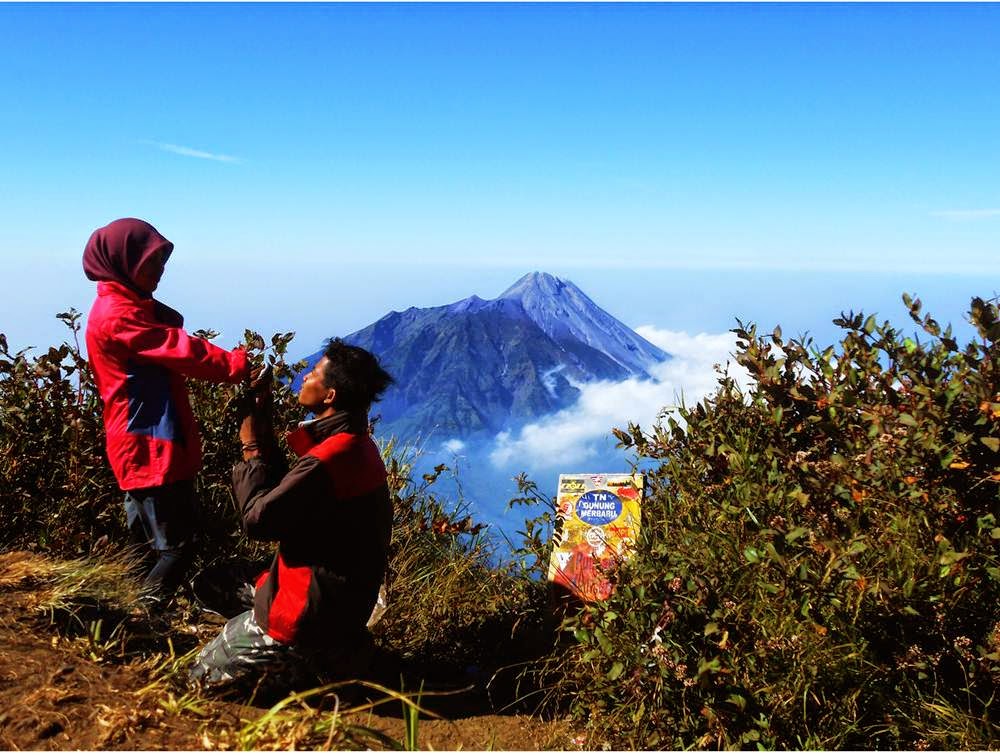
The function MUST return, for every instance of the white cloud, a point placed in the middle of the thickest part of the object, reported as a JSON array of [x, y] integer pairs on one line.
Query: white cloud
[[681, 344], [453, 445], [549, 378], [191, 152], [574, 434], [989, 212]]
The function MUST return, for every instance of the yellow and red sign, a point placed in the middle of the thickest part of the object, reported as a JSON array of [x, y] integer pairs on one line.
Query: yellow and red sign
[[600, 516]]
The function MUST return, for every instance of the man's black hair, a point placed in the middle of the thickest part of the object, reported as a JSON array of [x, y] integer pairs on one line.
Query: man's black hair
[[356, 375]]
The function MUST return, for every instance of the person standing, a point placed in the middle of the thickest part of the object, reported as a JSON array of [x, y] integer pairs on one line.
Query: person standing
[[140, 355]]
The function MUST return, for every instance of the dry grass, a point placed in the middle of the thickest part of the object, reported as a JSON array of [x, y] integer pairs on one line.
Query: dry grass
[[319, 719], [66, 585], [21, 568]]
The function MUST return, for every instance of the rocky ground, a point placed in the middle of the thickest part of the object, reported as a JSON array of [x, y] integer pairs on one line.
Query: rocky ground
[[66, 685]]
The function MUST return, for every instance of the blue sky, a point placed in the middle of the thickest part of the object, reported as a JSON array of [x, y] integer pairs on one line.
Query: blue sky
[[317, 166]]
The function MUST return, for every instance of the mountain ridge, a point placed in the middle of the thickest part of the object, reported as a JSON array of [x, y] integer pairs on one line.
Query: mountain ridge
[[478, 365]]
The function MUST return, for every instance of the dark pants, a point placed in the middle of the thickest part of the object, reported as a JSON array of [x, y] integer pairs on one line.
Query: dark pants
[[161, 523]]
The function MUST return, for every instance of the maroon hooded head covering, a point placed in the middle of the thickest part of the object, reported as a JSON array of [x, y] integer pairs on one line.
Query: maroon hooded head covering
[[116, 251]]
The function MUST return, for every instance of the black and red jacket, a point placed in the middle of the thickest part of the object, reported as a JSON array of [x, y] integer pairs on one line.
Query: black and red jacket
[[332, 517]]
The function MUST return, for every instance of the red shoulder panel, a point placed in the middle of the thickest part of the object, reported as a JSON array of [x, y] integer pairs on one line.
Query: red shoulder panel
[[353, 462], [299, 441]]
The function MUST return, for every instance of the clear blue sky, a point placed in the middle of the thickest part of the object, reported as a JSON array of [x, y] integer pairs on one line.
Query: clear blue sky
[[317, 166]]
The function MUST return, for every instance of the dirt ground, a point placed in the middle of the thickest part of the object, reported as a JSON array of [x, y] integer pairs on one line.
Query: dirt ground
[[60, 692]]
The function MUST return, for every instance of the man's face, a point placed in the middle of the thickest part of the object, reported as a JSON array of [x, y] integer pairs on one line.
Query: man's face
[[314, 393]]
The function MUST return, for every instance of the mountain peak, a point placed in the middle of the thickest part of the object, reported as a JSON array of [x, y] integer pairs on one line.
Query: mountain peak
[[563, 311], [535, 282], [466, 305]]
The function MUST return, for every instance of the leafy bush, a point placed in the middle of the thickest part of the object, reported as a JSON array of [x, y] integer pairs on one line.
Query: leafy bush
[[56, 489], [449, 608], [818, 566]]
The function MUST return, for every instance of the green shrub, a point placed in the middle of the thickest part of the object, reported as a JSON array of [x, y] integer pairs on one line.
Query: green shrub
[[448, 605], [818, 566], [56, 489]]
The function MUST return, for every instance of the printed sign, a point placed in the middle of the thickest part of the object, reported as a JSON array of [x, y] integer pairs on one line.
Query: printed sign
[[600, 524]]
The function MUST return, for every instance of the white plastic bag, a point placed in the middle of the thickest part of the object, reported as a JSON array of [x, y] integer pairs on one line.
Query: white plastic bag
[[381, 604]]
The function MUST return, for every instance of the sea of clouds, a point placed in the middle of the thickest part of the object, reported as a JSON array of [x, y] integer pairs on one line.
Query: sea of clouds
[[580, 432]]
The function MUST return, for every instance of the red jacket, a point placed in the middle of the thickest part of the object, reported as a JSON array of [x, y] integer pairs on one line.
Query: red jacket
[[139, 362]]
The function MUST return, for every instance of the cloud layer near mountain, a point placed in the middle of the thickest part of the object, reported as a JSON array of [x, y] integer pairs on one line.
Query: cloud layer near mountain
[[572, 435]]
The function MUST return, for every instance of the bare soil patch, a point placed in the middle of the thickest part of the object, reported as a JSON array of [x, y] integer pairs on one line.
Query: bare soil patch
[[53, 696]]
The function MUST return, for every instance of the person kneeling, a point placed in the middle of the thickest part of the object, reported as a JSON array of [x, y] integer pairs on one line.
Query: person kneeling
[[332, 518]]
